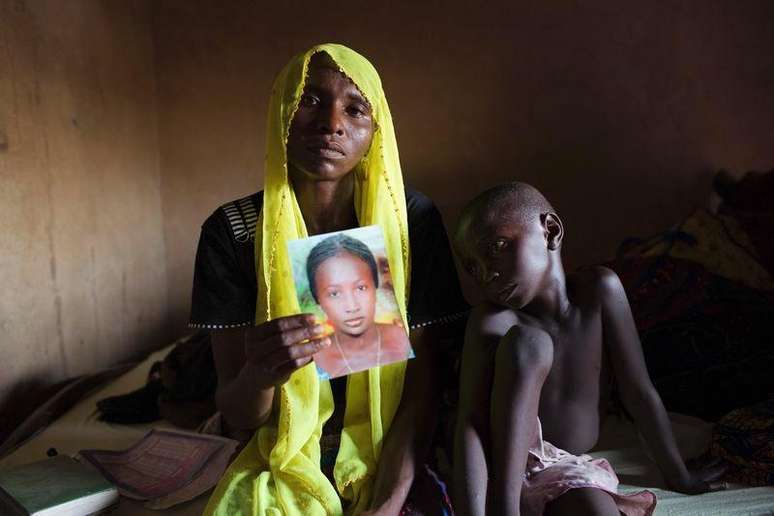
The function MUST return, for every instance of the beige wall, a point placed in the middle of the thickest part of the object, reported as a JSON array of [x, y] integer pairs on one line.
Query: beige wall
[[81, 242], [620, 111], [123, 124]]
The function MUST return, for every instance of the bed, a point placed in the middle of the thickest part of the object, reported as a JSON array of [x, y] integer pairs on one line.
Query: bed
[[79, 428], [719, 262]]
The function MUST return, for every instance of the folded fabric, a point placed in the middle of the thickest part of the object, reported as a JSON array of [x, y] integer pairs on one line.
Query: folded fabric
[[551, 472]]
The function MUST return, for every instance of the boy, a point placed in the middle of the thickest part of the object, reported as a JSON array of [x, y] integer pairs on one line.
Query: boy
[[548, 346]]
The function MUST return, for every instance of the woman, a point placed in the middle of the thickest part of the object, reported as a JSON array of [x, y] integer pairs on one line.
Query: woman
[[332, 164], [343, 279]]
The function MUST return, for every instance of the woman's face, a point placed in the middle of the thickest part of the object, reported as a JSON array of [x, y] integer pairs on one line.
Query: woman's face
[[346, 292], [332, 128]]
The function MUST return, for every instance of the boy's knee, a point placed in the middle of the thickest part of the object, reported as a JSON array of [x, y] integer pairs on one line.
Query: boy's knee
[[525, 348], [580, 501]]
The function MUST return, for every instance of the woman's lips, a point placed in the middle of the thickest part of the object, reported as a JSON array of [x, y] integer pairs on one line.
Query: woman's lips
[[354, 323], [327, 150]]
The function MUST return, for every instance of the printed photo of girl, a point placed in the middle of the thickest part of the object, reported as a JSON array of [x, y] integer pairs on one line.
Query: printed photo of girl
[[349, 284]]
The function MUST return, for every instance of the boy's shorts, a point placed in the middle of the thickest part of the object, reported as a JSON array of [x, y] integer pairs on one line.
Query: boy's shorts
[[551, 472]]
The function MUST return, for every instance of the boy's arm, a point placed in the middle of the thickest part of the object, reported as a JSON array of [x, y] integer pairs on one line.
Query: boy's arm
[[522, 363], [638, 394], [471, 436]]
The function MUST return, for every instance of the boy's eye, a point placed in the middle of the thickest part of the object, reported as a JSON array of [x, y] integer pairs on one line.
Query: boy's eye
[[497, 246], [362, 288], [334, 293]]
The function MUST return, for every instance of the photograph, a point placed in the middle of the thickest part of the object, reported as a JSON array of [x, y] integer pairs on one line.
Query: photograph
[[343, 278]]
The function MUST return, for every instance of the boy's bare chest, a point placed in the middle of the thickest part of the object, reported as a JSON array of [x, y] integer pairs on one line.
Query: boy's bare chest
[[578, 357], [571, 393]]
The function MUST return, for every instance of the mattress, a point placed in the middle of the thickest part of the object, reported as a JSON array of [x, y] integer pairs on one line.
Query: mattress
[[79, 428]]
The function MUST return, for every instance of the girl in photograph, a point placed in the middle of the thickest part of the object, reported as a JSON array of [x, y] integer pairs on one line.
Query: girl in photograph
[[343, 279]]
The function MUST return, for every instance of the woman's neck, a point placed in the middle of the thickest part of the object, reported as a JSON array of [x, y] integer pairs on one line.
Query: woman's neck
[[368, 338], [326, 205]]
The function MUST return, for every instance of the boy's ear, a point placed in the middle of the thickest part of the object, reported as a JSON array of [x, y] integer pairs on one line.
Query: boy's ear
[[553, 229]]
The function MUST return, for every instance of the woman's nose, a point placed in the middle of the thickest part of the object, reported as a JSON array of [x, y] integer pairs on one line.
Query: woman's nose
[[351, 304], [329, 121]]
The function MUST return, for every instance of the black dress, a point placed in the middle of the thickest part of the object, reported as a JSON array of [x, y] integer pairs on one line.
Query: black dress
[[224, 288]]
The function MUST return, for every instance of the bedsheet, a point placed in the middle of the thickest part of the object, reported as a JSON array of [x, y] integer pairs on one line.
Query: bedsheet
[[79, 428]]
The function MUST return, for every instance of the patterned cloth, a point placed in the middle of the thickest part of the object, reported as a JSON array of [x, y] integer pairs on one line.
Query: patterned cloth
[[748, 201], [224, 286], [551, 472], [706, 332], [743, 438]]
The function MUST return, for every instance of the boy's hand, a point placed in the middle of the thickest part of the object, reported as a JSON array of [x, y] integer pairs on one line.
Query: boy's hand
[[702, 478]]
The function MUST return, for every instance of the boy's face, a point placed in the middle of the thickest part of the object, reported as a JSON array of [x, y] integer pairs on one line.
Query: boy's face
[[346, 293], [507, 259]]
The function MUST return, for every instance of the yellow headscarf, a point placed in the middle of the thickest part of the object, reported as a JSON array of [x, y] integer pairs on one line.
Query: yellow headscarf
[[278, 472]]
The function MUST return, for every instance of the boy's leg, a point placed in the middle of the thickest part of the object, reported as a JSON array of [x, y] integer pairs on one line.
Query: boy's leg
[[582, 502], [523, 361]]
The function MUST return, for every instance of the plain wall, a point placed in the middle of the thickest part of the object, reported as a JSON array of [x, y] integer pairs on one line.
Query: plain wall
[[124, 124], [620, 112], [84, 283]]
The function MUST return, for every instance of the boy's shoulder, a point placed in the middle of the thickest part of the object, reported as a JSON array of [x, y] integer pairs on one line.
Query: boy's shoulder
[[490, 318], [594, 284], [489, 322]]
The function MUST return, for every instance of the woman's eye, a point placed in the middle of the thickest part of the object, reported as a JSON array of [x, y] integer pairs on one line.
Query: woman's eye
[[356, 111], [308, 100]]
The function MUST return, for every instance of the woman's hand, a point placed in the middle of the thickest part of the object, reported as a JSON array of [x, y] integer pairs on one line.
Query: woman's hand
[[277, 348], [385, 510]]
